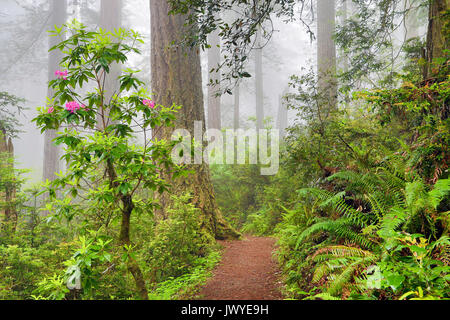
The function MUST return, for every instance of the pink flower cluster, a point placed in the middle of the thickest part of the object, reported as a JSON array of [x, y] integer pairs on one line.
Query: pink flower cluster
[[149, 103], [73, 106], [61, 74], [50, 110]]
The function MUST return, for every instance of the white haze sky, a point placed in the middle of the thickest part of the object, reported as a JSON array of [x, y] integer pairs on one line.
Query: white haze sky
[[289, 50]]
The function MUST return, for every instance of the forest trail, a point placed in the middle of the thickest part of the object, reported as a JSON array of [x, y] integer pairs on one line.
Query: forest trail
[[247, 272]]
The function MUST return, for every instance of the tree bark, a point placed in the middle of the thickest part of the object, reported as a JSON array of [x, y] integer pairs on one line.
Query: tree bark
[[176, 79], [437, 37], [132, 265], [259, 84], [51, 165], [124, 236], [214, 110], [282, 120], [411, 23], [345, 9], [110, 19], [326, 51], [236, 115]]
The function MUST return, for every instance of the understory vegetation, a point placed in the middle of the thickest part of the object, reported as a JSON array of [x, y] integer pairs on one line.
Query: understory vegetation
[[91, 233], [360, 205]]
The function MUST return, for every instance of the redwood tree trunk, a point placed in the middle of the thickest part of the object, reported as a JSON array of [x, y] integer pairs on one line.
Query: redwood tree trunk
[[214, 112], [259, 84], [411, 20], [176, 78], [51, 165], [236, 115], [282, 120], [326, 50], [438, 29], [110, 19]]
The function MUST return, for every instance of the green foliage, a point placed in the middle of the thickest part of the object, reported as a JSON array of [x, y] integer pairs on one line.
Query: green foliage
[[23, 266], [185, 286], [238, 189], [426, 109], [370, 217], [258, 224], [52, 288], [409, 264], [83, 265], [98, 137], [10, 107], [76, 242], [345, 269], [178, 243], [20, 268]]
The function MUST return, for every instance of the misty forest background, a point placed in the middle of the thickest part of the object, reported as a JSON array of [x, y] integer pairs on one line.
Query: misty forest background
[[358, 89]]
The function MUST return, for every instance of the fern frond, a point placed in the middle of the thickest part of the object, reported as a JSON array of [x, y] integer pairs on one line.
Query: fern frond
[[325, 296], [336, 286], [340, 228], [337, 203], [343, 251], [321, 271], [391, 222], [345, 278], [440, 191]]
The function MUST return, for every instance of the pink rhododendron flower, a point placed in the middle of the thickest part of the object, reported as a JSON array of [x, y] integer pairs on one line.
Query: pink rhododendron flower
[[149, 103], [72, 106], [50, 110], [61, 74]]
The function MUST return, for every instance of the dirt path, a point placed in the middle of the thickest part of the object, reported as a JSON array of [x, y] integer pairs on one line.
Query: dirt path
[[247, 272]]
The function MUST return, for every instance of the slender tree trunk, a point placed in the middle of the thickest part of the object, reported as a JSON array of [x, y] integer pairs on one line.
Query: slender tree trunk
[[58, 11], [345, 55], [282, 114], [214, 110], [132, 265], [345, 8], [326, 50], [411, 23], [110, 19], [176, 78], [124, 236], [236, 114], [438, 33], [259, 83], [85, 13]]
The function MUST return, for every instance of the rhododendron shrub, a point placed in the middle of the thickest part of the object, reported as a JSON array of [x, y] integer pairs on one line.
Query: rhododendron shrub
[[105, 168]]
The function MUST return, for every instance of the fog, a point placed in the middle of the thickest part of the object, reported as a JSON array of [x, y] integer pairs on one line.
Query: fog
[[24, 66]]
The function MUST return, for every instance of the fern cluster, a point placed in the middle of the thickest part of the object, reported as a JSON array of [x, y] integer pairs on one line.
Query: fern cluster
[[367, 222]]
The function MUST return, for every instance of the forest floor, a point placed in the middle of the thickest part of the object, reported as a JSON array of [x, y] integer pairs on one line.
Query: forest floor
[[247, 271]]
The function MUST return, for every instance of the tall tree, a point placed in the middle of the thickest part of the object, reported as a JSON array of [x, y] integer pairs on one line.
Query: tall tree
[[282, 120], [58, 12], [110, 19], [177, 78], [345, 13], [438, 32], [214, 110], [236, 114], [411, 23], [326, 50], [259, 84]]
